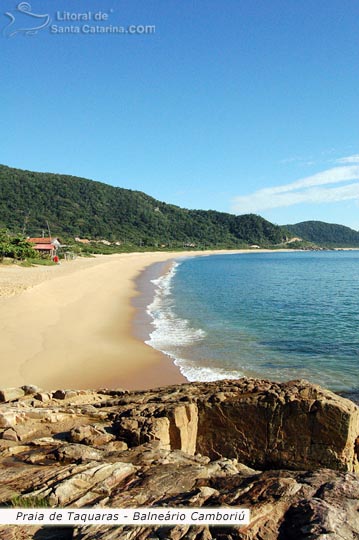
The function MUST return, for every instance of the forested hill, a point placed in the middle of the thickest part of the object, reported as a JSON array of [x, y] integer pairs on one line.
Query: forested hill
[[79, 207], [328, 234]]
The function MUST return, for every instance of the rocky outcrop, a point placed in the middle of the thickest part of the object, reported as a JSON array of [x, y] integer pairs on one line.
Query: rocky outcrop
[[267, 425], [175, 426], [285, 505], [257, 422], [287, 451]]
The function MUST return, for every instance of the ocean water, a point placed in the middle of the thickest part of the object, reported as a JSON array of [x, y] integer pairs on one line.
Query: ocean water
[[274, 315]]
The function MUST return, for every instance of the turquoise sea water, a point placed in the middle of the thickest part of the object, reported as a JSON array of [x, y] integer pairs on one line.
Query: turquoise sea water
[[271, 315]]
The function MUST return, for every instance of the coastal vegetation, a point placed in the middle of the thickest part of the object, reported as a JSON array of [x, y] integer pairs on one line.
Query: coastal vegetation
[[76, 207], [93, 217], [327, 234], [15, 247]]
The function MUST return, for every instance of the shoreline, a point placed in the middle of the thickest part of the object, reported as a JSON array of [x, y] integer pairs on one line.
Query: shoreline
[[182, 359], [71, 326]]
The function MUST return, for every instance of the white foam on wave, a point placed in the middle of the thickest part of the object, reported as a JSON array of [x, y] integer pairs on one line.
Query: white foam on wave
[[171, 333], [197, 373]]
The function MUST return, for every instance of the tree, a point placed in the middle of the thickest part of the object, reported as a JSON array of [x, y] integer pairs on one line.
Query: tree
[[15, 247]]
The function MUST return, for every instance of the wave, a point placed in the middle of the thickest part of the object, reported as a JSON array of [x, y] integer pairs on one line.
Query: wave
[[172, 334], [196, 373], [169, 330]]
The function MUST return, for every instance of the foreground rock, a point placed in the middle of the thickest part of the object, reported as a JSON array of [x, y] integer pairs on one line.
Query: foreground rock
[[289, 452], [262, 424]]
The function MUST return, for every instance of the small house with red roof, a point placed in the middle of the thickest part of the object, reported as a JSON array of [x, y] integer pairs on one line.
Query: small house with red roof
[[46, 245]]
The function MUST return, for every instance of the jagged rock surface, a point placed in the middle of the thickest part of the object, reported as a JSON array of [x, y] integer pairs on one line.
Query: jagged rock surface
[[288, 452]]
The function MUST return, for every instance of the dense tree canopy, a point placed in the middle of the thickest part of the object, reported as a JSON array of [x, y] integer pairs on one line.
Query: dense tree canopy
[[325, 233], [78, 207]]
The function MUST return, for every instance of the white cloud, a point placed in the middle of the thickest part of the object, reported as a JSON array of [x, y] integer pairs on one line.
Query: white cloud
[[305, 190], [348, 159]]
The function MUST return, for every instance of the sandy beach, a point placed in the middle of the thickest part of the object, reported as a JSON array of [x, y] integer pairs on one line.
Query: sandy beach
[[70, 326]]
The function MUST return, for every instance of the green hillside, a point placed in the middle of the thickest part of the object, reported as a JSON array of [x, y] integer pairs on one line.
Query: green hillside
[[328, 234], [79, 207]]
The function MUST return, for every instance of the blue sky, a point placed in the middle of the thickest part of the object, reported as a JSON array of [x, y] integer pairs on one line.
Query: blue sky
[[234, 105]]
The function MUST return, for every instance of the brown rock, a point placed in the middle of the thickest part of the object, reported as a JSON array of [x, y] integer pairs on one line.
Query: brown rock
[[30, 389], [8, 418], [238, 424], [64, 394], [116, 446], [294, 425], [255, 421], [86, 485], [11, 394], [158, 429], [183, 428], [284, 505], [42, 396], [91, 435], [77, 453], [10, 435]]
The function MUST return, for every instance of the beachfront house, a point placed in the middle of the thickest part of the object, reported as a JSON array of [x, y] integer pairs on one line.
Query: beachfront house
[[46, 245]]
